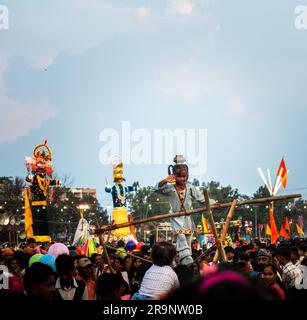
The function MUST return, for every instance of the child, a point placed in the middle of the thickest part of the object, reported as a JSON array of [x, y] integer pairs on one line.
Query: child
[[181, 194]]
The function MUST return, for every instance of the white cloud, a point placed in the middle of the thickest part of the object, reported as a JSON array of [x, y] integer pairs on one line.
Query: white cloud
[[182, 7], [143, 13], [189, 82], [236, 105], [18, 119]]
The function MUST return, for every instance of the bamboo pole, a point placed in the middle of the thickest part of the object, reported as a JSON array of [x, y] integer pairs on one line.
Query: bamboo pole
[[190, 212], [226, 226], [219, 245]]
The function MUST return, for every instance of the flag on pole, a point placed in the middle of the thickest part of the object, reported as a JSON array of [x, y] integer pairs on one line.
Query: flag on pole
[[268, 230], [287, 225], [283, 233], [205, 224], [28, 215], [273, 227], [282, 173], [299, 230]]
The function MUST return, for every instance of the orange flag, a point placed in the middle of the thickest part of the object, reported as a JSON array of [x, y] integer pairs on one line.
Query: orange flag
[[205, 224], [282, 173], [283, 233], [287, 225], [299, 230], [274, 230], [132, 227]]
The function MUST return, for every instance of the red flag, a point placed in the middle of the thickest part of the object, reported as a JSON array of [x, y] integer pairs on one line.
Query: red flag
[[283, 233], [282, 173], [274, 230], [287, 225]]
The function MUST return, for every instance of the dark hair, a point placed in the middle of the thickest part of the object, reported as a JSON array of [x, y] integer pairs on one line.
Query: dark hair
[[172, 169], [31, 240], [64, 263], [271, 265], [303, 247], [163, 253], [184, 274], [120, 244], [285, 252], [229, 249], [107, 284], [36, 275], [294, 250]]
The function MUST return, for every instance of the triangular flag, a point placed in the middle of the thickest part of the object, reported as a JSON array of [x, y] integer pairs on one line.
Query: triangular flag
[[274, 230], [283, 233], [28, 215], [287, 225], [299, 230], [205, 224], [282, 173], [267, 230]]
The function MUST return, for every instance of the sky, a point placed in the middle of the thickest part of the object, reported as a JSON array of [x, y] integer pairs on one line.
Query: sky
[[71, 69]]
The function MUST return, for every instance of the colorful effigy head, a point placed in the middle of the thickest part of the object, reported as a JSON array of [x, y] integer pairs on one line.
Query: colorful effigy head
[[118, 174], [41, 162]]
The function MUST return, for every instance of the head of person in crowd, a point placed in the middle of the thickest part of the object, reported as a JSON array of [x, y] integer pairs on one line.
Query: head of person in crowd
[[264, 257], [230, 253], [65, 268], [206, 260], [7, 255], [121, 244], [118, 264], [39, 282], [14, 266], [31, 243], [196, 269], [269, 273], [136, 263], [284, 255], [109, 286], [163, 254], [302, 250], [96, 258], [85, 268], [128, 263], [146, 252], [294, 255], [243, 263]]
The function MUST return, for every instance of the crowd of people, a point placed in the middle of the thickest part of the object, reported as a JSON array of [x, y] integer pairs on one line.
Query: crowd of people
[[254, 270]]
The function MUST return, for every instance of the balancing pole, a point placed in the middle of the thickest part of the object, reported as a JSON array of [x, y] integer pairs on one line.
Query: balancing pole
[[199, 210], [213, 227], [226, 226]]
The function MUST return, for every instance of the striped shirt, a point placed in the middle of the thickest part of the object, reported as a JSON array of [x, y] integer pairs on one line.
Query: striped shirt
[[158, 280]]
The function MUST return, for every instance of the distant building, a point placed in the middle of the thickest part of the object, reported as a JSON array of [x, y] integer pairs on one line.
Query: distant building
[[81, 192]]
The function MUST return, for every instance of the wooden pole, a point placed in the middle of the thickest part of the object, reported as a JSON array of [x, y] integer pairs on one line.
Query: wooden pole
[[189, 212], [226, 226], [219, 246]]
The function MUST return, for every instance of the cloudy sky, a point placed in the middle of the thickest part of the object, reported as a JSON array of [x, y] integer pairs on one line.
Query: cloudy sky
[[71, 69]]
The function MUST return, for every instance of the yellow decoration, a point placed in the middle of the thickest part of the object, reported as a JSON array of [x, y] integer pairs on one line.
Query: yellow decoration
[[120, 216]]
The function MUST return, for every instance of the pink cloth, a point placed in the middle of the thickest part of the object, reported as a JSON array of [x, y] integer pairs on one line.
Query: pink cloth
[[16, 284]]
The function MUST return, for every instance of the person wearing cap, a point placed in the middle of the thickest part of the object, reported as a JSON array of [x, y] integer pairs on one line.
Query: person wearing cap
[[7, 254], [86, 274], [263, 258]]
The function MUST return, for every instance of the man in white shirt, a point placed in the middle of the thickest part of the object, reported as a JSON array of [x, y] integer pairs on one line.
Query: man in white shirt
[[160, 278]]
